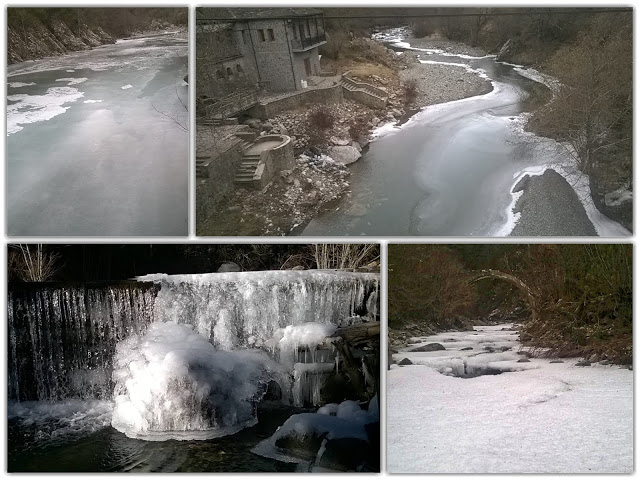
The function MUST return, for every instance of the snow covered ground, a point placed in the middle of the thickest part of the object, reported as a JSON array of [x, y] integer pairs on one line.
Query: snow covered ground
[[537, 417]]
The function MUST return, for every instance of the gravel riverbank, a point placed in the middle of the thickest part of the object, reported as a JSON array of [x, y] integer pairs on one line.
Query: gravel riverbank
[[539, 215]]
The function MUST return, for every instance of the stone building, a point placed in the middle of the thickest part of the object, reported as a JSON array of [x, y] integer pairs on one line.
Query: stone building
[[241, 50]]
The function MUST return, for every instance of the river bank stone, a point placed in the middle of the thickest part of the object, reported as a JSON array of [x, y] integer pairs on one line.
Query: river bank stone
[[344, 155], [431, 347]]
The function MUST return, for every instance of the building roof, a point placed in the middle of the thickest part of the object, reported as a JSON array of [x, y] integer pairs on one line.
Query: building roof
[[243, 14]]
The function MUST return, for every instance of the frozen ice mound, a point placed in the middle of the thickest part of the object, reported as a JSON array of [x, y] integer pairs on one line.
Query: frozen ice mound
[[335, 437], [172, 383]]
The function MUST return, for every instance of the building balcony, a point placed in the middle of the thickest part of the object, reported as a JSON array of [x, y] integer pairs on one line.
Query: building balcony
[[307, 43]]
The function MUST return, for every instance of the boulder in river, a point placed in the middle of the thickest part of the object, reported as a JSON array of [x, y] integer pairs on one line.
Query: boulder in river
[[524, 360], [466, 348], [556, 361], [583, 363], [405, 361], [430, 347]]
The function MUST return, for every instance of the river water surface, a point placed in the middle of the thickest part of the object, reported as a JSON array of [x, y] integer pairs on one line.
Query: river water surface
[[450, 170], [98, 143]]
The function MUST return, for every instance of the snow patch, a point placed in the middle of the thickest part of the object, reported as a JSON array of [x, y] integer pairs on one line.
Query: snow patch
[[93, 101], [38, 108], [125, 87]]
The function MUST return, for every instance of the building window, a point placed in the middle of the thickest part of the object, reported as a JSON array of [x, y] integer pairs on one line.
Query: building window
[[301, 32], [219, 74], [244, 37], [239, 69], [308, 31], [272, 37], [295, 32], [262, 37], [229, 72]]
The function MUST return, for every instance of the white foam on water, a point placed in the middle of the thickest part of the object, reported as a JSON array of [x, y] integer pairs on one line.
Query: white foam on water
[[125, 87], [38, 108], [61, 421], [93, 101]]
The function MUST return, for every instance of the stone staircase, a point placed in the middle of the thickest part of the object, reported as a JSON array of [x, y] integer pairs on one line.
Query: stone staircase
[[246, 138], [247, 169], [364, 92]]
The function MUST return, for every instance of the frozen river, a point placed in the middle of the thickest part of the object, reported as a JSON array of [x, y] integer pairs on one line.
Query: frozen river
[[452, 168], [98, 143], [480, 407]]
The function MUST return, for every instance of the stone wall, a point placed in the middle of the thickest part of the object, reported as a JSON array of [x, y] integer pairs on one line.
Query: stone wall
[[277, 159], [274, 55], [222, 170], [272, 108]]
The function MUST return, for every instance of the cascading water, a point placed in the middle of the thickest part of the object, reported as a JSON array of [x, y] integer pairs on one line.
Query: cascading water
[[249, 329], [62, 338]]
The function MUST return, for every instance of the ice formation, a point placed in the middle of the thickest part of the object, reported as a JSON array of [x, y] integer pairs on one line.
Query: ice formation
[[187, 356], [303, 437], [237, 308], [38, 108], [172, 383]]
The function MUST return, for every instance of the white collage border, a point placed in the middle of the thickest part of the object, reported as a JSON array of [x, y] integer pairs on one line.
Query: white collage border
[[383, 241]]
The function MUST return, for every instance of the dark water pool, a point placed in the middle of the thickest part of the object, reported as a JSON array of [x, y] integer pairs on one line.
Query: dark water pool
[[35, 448]]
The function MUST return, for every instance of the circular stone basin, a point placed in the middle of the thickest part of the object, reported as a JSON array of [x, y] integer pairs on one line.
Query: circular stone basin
[[266, 142]]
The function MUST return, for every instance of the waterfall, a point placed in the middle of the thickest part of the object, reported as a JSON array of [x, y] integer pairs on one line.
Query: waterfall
[[62, 337]]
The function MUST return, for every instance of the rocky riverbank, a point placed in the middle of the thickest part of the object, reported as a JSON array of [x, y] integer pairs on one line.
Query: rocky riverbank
[[321, 175], [30, 37]]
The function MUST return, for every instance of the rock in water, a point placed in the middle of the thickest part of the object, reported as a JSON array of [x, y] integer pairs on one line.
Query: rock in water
[[583, 363], [524, 360], [556, 361], [405, 361], [430, 347]]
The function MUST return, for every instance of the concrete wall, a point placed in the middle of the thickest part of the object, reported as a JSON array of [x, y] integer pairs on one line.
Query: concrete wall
[[222, 170], [320, 95]]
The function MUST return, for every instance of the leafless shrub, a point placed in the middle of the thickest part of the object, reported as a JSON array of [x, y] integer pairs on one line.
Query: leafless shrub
[[340, 256], [33, 263], [321, 118], [410, 89]]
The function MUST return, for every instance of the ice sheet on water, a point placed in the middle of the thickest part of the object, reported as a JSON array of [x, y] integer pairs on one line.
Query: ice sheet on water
[[126, 87], [172, 383], [575, 419], [38, 108], [19, 84], [71, 80]]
